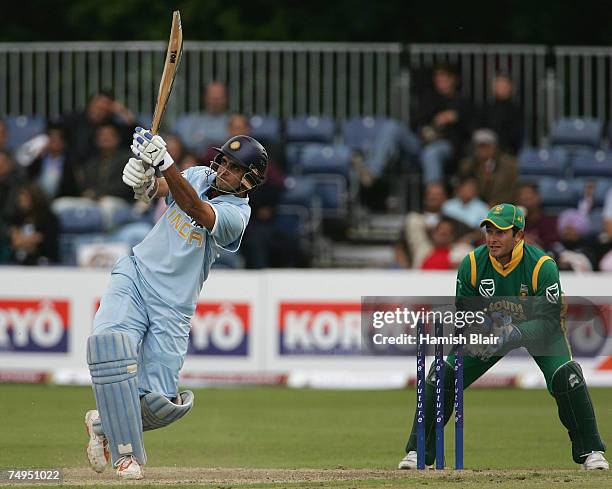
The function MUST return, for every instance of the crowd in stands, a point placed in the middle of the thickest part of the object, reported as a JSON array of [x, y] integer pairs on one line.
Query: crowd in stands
[[468, 158]]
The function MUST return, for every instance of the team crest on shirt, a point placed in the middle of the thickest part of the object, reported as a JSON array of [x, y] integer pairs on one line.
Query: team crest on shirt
[[552, 293], [487, 287], [524, 292]]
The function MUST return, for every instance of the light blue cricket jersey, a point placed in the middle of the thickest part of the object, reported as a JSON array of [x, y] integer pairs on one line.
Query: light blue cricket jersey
[[175, 257]]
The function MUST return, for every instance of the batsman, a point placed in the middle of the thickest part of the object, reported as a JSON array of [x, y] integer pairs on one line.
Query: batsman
[[141, 330], [510, 276]]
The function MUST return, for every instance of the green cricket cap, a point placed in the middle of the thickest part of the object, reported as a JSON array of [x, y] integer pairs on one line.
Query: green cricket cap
[[504, 216]]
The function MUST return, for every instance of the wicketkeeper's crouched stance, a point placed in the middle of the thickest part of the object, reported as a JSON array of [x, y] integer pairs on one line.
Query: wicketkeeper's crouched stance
[[141, 330], [509, 268]]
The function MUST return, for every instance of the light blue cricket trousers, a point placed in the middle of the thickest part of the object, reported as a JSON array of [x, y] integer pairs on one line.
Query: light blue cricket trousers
[[160, 332]]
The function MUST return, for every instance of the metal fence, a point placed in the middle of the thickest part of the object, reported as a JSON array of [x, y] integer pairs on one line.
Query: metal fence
[[584, 80], [285, 79]]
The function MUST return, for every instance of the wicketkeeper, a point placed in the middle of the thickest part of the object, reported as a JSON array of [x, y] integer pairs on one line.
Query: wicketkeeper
[[141, 329], [507, 268]]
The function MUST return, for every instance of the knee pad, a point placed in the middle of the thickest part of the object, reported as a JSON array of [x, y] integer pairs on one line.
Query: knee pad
[[158, 411], [112, 360]]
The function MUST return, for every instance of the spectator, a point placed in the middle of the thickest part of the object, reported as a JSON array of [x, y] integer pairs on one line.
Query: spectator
[[237, 124], [401, 252], [503, 116], [394, 141], [203, 130], [175, 146], [446, 252], [80, 127], [495, 172], [33, 229], [573, 251], [444, 121], [10, 181], [52, 170], [605, 238], [419, 226], [466, 207], [101, 176], [3, 136], [541, 228]]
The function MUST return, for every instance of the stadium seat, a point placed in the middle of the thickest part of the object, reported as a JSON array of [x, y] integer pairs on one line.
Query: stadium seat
[[558, 193], [292, 219], [22, 128], [592, 164], [543, 162], [298, 191], [266, 129], [577, 132], [310, 129], [81, 220], [326, 159], [69, 243], [359, 133]]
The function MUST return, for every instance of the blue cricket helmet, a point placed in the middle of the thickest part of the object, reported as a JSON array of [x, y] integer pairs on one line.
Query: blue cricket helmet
[[249, 154]]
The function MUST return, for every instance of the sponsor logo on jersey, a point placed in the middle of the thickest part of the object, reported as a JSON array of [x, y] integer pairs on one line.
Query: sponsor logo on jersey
[[524, 292], [487, 287], [316, 328], [552, 293], [39, 326], [220, 328], [185, 227]]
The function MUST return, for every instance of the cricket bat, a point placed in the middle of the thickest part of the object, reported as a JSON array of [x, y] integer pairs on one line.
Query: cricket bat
[[173, 57]]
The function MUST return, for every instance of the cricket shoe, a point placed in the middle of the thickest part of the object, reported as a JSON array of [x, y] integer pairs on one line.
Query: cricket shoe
[[409, 462], [595, 461], [129, 468], [97, 448]]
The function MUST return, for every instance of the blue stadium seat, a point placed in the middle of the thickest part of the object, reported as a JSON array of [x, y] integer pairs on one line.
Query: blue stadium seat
[[332, 190], [266, 129], [558, 193], [81, 220], [326, 159], [310, 129], [298, 191], [592, 164], [359, 133], [577, 132], [22, 128], [542, 162], [292, 219]]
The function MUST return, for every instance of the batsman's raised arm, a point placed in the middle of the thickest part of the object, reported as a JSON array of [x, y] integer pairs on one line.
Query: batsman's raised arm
[[152, 150]]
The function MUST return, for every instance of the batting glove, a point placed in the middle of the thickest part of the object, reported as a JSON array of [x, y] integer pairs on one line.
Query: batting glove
[[151, 149], [146, 193], [135, 174]]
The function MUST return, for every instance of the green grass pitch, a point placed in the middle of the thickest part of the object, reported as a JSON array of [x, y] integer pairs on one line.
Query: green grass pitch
[[348, 438]]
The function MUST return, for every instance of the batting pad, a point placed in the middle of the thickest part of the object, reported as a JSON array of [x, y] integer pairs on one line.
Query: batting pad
[[158, 411], [112, 360]]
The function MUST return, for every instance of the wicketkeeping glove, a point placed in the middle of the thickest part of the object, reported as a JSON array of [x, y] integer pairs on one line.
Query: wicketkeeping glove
[[151, 149], [135, 174]]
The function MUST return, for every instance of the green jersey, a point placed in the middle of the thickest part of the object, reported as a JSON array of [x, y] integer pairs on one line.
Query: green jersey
[[530, 272]]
